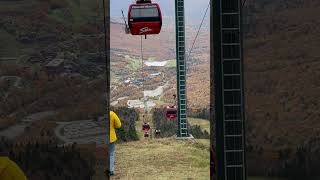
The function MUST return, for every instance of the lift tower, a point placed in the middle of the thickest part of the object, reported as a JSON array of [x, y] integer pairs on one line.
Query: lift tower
[[181, 70], [229, 90]]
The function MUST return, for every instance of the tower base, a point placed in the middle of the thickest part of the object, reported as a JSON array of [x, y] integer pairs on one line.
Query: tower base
[[184, 138]]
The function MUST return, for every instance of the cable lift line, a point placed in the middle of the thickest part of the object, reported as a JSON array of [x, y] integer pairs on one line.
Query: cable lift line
[[127, 30], [194, 41], [143, 82], [144, 17]]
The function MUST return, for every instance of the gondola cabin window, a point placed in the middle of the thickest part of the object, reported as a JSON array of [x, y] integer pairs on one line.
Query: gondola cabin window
[[145, 13]]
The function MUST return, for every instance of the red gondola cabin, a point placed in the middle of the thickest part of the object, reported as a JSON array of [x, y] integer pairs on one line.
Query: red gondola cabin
[[171, 112], [146, 134], [144, 18], [145, 127], [157, 132]]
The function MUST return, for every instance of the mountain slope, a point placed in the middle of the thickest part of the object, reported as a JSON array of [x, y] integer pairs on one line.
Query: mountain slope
[[162, 159]]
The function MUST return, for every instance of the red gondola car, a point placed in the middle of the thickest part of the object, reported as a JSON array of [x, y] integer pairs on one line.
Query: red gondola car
[[146, 134], [144, 18], [157, 132], [171, 112], [145, 127]]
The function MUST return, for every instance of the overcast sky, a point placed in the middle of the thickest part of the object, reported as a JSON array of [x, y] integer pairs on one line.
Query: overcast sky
[[194, 9]]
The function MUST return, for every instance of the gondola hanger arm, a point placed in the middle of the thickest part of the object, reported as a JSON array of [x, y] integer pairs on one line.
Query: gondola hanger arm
[[143, 1]]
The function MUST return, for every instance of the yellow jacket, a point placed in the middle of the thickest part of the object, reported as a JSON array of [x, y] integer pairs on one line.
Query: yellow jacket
[[114, 123], [9, 170]]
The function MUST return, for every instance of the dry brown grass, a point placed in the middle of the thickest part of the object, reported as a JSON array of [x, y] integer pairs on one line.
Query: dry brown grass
[[162, 159], [204, 124]]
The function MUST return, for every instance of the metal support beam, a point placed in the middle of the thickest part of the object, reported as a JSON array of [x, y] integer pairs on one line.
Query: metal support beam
[[228, 88], [181, 69]]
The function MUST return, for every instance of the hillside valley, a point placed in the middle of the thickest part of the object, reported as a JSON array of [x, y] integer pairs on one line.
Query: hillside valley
[[52, 77]]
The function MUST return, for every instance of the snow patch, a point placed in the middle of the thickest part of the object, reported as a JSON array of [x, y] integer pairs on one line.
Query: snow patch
[[156, 63]]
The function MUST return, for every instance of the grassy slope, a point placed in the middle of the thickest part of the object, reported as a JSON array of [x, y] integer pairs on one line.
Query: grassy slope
[[134, 63], [204, 124], [171, 63], [162, 159]]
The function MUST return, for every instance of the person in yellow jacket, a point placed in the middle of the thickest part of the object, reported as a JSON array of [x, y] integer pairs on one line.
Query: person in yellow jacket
[[9, 170], [115, 123]]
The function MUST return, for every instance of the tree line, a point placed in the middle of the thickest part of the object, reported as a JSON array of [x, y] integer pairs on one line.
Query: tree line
[[169, 127], [128, 118], [48, 161]]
